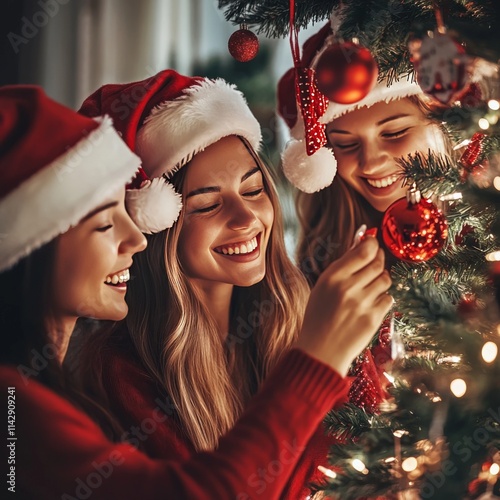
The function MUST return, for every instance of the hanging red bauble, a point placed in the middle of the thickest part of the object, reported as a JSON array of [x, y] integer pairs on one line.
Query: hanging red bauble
[[346, 72], [470, 159], [442, 67], [413, 228], [243, 45]]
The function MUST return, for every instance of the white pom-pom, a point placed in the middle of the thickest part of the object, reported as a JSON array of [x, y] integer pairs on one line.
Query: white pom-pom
[[308, 173], [155, 206]]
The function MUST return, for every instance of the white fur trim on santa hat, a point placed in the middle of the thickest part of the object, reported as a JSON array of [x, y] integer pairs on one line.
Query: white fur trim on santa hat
[[176, 130], [404, 87], [297, 163], [61, 194], [308, 173], [155, 206]]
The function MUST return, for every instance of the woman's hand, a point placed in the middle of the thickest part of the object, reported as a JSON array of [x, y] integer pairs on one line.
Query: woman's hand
[[346, 306]]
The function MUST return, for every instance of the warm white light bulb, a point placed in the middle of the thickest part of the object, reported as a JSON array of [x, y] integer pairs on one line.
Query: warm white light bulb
[[327, 472], [494, 469], [458, 387], [409, 464], [358, 465], [494, 104], [489, 352], [483, 123]]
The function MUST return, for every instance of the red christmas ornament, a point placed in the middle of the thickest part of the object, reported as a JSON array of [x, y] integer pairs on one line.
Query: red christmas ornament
[[467, 306], [366, 391], [313, 105], [441, 65], [413, 228], [466, 230], [471, 157], [346, 72], [243, 45]]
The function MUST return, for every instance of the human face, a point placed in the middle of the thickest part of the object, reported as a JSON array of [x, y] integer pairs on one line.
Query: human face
[[92, 263], [228, 217], [367, 143]]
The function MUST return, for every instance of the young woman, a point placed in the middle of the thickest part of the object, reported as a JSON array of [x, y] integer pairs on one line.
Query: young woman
[[66, 252], [216, 303], [352, 180], [355, 177]]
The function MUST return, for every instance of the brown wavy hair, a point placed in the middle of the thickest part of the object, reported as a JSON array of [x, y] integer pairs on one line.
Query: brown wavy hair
[[177, 339]]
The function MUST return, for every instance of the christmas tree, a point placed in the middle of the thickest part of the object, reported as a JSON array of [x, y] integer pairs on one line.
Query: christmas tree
[[438, 434]]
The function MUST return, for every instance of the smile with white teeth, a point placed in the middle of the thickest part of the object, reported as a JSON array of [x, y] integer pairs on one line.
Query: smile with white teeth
[[118, 278], [238, 248], [384, 182]]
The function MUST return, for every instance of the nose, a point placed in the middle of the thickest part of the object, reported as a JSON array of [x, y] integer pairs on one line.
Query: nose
[[240, 215], [373, 157], [133, 240]]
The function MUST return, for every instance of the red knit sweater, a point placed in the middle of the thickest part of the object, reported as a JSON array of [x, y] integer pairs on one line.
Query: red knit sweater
[[61, 453], [135, 400]]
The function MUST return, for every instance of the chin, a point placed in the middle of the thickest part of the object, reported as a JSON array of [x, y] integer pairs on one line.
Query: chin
[[251, 280], [114, 314]]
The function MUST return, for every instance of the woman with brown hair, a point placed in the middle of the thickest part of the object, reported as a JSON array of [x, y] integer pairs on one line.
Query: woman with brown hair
[[235, 301], [67, 251]]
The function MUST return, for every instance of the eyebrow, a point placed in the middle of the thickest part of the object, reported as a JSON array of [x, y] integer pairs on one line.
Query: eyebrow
[[216, 189], [381, 122], [100, 209]]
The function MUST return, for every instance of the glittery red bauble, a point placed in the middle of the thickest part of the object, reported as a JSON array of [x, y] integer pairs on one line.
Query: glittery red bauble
[[346, 72], [243, 45], [414, 232]]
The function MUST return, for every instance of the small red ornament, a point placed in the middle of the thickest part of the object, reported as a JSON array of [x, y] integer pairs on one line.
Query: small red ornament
[[313, 105], [471, 157], [467, 306], [413, 228], [441, 65], [466, 231], [346, 72], [243, 45]]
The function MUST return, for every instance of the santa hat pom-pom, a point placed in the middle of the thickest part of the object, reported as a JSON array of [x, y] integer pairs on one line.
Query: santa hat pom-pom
[[155, 206], [308, 173]]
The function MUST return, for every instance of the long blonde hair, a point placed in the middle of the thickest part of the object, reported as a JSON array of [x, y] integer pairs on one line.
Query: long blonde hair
[[329, 218], [178, 340]]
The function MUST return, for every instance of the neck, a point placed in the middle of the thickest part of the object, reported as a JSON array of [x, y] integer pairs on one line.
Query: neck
[[60, 334], [217, 298]]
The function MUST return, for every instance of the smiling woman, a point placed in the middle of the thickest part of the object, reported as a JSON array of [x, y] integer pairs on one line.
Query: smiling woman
[[231, 221], [356, 176], [366, 143], [68, 247], [235, 301]]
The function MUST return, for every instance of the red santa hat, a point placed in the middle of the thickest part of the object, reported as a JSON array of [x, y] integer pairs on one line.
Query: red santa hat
[[55, 167], [167, 119], [311, 173]]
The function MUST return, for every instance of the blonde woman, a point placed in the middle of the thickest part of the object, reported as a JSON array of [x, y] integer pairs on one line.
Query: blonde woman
[[235, 302], [67, 252]]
